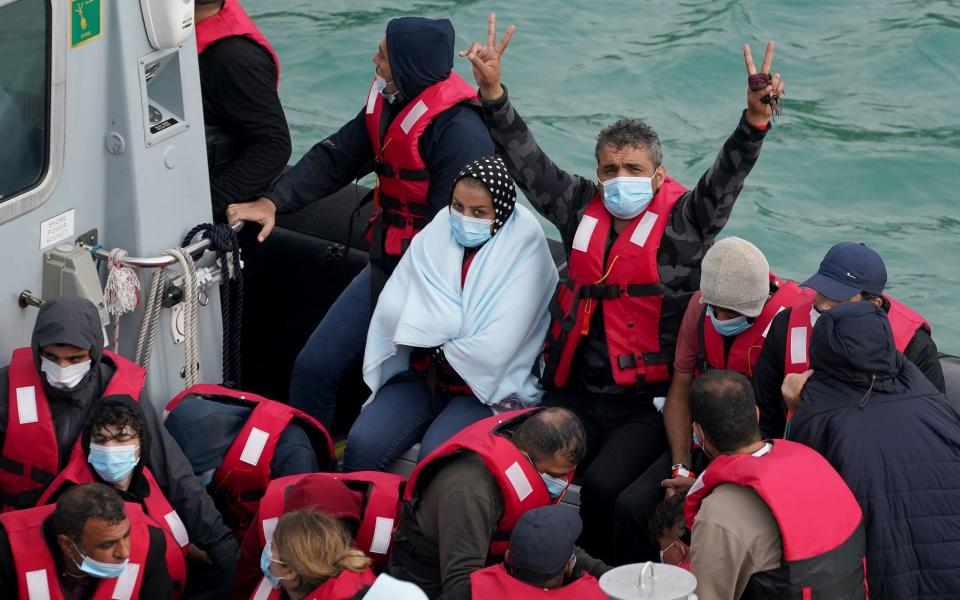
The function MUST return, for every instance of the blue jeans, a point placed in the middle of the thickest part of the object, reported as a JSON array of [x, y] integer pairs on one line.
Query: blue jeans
[[334, 347], [402, 414]]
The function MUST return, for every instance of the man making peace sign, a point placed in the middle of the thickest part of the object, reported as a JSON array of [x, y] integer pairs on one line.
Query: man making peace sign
[[634, 242]]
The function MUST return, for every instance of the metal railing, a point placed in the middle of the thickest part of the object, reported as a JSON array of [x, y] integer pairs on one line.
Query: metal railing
[[155, 262]]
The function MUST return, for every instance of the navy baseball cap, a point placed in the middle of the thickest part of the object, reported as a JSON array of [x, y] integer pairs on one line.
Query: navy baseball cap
[[543, 540], [848, 269]]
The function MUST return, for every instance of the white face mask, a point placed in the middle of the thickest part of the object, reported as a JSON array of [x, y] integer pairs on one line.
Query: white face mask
[[814, 315], [64, 378]]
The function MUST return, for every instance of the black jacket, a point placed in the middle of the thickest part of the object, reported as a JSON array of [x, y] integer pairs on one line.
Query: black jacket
[[769, 371], [895, 441], [76, 321], [421, 54]]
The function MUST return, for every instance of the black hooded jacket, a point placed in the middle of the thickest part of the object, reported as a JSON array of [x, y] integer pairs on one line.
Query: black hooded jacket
[[420, 54], [892, 437], [75, 321]]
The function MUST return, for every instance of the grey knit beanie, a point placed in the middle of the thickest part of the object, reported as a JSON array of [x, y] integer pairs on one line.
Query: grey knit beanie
[[735, 275]]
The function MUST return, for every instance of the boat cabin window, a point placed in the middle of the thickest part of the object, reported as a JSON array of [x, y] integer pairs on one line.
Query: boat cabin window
[[24, 93]]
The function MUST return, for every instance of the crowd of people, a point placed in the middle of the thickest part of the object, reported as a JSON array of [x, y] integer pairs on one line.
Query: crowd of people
[[778, 439]]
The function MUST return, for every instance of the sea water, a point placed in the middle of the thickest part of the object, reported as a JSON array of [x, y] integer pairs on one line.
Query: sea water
[[867, 148]]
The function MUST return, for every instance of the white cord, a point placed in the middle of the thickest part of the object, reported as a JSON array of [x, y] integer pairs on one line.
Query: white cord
[[121, 293], [191, 313], [151, 316]]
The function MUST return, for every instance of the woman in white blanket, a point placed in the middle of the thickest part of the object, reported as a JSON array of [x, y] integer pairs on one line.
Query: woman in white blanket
[[459, 325]]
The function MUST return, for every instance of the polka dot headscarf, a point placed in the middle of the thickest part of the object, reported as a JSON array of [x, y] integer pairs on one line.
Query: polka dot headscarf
[[492, 173]]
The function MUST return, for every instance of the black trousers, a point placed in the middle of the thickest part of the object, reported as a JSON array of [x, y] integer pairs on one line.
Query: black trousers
[[625, 435], [636, 505]]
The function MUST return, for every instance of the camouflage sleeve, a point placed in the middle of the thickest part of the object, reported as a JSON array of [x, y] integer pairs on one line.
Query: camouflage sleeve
[[557, 195], [699, 215]]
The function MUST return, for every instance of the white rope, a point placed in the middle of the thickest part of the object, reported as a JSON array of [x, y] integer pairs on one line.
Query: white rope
[[121, 293], [191, 312], [151, 316]]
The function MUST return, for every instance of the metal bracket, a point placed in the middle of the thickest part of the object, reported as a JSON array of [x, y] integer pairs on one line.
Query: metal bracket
[[88, 238]]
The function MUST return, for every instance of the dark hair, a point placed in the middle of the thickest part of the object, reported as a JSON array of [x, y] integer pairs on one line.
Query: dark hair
[[83, 502], [722, 402], [631, 132], [550, 431], [114, 414], [869, 296], [667, 514]]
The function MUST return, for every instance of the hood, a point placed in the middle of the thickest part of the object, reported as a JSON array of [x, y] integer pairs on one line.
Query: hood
[[420, 52], [205, 429], [853, 342], [73, 321], [137, 409]]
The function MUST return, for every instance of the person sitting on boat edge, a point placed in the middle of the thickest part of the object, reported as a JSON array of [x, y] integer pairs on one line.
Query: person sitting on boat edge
[[849, 272], [723, 328], [89, 545], [540, 563], [462, 501], [634, 242], [46, 396], [460, 324], [419, 127], [767, 518], [896, 442], [248, 141], [311, 557]]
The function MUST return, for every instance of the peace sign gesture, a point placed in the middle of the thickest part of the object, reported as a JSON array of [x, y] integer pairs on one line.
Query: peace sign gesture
[[763, 89], [486, 59]]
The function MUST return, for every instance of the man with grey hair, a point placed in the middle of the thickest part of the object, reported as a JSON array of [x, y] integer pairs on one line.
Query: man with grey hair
[[724, 327], [634, 242]]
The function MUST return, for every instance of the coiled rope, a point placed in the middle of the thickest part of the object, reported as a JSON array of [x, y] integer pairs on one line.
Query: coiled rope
[[121, 293], [224, 241]]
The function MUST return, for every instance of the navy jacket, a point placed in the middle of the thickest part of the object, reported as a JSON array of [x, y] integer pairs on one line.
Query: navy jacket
[[421, 54], [892, 437]]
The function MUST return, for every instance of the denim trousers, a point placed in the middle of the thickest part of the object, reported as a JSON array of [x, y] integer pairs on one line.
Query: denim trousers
[[402, 413], [334, 347]]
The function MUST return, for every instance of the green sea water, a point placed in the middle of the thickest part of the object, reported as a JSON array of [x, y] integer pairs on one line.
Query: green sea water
[[867, 148]]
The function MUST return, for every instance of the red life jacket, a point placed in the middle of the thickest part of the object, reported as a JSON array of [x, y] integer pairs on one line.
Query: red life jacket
[[158, 510], [37, 572], [628, 283], [400, 197], [495, 582], [245, 472], [820, 522], [342, 587], [31, 457], [903, 320], [232, 21], [381, 494], [520, 484], [745, 349]]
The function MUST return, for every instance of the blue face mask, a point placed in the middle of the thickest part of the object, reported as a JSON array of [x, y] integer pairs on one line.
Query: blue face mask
[[98, 569], [555, 485], [730, 327], [381, 84], [113, 463], [627, 197], [266, 557], [696, 438], [469, 232]]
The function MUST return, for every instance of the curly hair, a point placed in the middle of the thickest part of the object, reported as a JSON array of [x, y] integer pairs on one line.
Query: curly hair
[[667, 515], [114, 414]]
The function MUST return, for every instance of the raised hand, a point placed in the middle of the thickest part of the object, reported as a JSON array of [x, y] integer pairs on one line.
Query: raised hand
[[763, 89], [485, 59]]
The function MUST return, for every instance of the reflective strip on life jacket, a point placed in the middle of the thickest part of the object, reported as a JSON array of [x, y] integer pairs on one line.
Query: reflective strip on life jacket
[[520, 484], [628, 284], [232, 21], [30, 458]]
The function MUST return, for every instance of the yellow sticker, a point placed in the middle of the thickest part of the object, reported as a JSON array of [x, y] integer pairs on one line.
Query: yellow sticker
[[86, 21]]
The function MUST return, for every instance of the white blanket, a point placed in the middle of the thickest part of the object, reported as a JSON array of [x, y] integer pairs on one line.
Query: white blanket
[[491, 329]]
